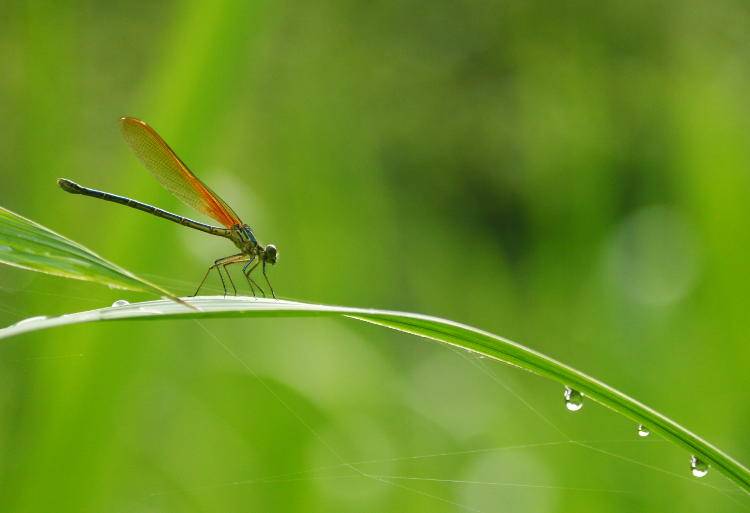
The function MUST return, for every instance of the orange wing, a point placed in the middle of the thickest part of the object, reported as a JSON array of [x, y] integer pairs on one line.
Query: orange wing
[[173, 174]]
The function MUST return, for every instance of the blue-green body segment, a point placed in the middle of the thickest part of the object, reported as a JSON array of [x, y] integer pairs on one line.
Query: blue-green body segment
[[247, 232]]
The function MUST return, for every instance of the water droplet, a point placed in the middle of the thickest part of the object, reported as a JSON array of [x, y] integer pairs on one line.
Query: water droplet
[[643, 431], [698, 467], [573, 399], [31, 319], [121, 302]]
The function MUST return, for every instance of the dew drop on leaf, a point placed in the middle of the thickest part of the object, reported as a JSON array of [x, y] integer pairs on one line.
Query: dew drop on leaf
[[698, 467], [121, 302], [573, 399], [643, 431]]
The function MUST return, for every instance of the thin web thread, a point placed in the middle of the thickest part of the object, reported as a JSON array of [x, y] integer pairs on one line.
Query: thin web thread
[[389, 479], [317, 435]]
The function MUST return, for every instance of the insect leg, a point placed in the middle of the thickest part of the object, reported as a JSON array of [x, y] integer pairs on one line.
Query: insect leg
[[231, 281], [216, 265], [267, 280], [251, 280], [223, 284], [234, 259], [203, 281], [240, 259]]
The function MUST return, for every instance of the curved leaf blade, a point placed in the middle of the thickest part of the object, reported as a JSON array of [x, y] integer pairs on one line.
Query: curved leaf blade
[[29, 245], [434, 328]]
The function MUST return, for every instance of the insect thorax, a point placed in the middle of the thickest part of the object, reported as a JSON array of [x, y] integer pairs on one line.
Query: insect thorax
[[244, 239]]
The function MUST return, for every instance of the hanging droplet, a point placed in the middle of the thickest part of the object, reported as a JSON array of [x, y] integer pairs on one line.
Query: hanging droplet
[[698, 467], [573, 399], [643, 431], [121, 302]]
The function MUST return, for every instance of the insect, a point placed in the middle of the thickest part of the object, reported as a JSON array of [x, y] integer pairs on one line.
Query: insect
[[175, 176]]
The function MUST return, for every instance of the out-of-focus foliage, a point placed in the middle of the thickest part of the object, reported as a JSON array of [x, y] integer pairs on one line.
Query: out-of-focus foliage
[[575, 173]]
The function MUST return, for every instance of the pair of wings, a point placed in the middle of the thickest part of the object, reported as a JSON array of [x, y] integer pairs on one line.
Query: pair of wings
[[173, 174]]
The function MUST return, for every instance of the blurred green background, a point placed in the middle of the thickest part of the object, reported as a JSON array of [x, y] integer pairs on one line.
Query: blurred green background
[[570, 175]]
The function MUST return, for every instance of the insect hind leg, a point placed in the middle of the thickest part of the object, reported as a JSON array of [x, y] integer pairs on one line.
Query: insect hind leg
[[219, 262], [251, 262], [231, 281]]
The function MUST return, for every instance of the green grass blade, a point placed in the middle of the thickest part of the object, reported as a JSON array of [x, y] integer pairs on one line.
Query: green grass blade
[[28, 245], [441, 330]]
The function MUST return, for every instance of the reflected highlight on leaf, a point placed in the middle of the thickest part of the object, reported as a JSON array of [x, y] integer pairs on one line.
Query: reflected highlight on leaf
[[29, 245]]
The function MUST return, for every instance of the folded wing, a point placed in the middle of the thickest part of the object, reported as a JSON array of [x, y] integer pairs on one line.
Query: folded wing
[[173, 174]]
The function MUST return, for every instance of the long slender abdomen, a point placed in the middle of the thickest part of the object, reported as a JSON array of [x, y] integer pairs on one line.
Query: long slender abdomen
[[74, 188]]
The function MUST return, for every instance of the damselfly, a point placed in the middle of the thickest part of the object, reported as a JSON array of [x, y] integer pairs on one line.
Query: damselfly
[[175, 176]]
